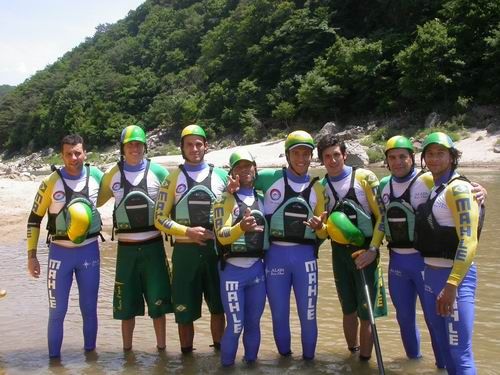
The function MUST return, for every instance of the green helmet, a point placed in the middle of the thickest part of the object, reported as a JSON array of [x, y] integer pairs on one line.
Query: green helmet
[[299, 138], [240, 155], [438, 138], [193, 130], [398, 141], [132, 133]]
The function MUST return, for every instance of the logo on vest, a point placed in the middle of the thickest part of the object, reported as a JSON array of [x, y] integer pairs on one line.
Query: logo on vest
[[385, 198], [275, 194], [236, 211], [116, 186], [59, 196], [180, 308], [181, 188]]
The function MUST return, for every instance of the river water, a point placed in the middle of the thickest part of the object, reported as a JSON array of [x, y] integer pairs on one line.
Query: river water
[[23, 323]]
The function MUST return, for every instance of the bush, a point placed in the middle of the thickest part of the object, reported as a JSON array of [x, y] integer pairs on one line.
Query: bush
[[375, 155]]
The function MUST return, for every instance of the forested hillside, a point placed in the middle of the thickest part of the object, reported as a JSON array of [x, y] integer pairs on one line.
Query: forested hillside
[[261, 66]]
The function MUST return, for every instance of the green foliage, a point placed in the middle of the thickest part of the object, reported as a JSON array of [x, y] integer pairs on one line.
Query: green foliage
[[430, 66], [375, 155], [236, 65], [170, 148]]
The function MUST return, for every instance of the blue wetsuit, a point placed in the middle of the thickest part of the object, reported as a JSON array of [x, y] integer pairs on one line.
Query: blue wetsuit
[[241, 273], [447, 231], [65, 257], [243, 294], [63, 262], [293, 267], [453, 333], [291, 259]]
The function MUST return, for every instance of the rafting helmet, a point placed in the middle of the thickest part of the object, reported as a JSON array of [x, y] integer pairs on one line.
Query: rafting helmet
[[193, 130], [399, 141], [442, 139], [132, 133], [299, 138], [438, 138], [79, 221], [240, 155]]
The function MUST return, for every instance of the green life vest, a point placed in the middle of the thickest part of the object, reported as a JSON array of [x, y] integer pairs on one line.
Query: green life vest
[[57, 224], [194, 208], [399, 218], [350, 206], [287, 222], [135, 212]]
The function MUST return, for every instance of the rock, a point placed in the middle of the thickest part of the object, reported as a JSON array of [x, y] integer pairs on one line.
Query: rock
[[356, 154], [329, 128], [496, 149], [432, 120]]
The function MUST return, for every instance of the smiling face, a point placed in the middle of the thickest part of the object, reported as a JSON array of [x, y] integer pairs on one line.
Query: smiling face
[[246, 171], [73, 157], [438, 159], [194, 148], [300, 158], [399, 161], [133, 152], [334, 160]]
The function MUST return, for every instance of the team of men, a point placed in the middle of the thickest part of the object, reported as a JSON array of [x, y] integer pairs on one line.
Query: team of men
[[233, 245]]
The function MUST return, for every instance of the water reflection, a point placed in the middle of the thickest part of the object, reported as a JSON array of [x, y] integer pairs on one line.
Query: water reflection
[[23, 322]]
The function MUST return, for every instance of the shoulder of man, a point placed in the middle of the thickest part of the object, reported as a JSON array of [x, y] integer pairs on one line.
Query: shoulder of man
[[427, 180], [384, 181], [159, 170], [220, 172]]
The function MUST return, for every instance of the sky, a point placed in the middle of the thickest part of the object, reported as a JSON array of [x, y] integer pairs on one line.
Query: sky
[[35, 33]]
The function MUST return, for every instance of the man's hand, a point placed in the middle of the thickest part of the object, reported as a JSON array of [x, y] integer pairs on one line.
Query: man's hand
[[316, 222], [363, 258], [479, 192], [233, 184], [446, 299], [34, 267], [200, 234], [248, 223]]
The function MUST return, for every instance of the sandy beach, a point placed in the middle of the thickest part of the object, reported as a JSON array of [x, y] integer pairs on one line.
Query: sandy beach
[[16, 197]]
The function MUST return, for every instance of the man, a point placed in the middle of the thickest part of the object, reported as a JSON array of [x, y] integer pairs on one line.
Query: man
[[184, 210], [294, 204], [141, 265], [448, 225], [354, 192], [402, 192], [243, 237], [68, 195]]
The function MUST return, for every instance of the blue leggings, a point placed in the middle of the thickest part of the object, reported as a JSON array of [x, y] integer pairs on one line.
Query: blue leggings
[[406, 281], [287, 267], [243, 294], [62, 263], [453, 333]]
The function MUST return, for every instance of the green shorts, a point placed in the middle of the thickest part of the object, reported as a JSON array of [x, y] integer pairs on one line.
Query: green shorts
[[350, 288], [142, 273], [194, 275]]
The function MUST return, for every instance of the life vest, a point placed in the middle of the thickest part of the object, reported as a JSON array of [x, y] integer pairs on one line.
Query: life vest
[[399, 218], [135, 212], [57, 224], [287, 222], [194, 208], [350, 206], [249, 244], [432, 239]]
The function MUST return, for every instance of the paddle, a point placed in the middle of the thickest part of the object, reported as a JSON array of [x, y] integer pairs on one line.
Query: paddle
[[376, 342]]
